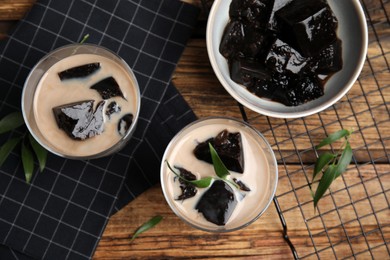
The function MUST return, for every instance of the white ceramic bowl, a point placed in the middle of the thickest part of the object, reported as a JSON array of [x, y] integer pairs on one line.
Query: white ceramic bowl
[[352, 30]]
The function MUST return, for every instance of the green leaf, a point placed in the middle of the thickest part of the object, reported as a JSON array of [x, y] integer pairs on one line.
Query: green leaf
[[345, 160], [202, 183], [219, 167], [85, 38], [323, 160], [11, 121], [333, 137], [235, 185], [324, 184], [146, 226], [39, 151], [28, 162], [7, 147]]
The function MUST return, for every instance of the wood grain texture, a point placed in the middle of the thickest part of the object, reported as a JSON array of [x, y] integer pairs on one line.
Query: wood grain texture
[[174, 239], [365, 108], [263, 239], [14, 9]]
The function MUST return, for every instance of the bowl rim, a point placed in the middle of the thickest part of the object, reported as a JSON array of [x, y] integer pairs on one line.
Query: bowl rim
[[177, 137], [294, 114], [116, 146]]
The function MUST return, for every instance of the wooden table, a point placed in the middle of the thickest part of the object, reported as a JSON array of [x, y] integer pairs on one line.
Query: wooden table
[[366, 109]]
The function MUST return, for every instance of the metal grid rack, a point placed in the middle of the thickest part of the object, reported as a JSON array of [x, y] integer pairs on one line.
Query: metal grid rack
[[353, 218]]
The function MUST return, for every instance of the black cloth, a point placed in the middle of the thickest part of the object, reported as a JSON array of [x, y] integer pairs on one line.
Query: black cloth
[[63, 212]]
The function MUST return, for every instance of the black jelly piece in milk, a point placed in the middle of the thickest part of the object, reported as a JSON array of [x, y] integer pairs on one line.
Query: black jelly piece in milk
[[125, 123], [229, 148], [79, 71], [217, 203], [78, 119], [108, 88], [242, 185], [187, 189], [112, 108]]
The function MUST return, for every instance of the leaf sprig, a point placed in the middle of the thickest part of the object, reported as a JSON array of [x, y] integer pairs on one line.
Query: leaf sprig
[[85, 38], [28, 143], [220, 170], [146, 226], [333, 165]]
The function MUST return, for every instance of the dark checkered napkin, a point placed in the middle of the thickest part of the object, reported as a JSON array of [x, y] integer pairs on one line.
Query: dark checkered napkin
[[172, 115], [62, 214]]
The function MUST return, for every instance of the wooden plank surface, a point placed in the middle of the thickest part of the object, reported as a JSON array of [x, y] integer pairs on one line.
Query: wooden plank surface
[[365, 109], [262, 239]]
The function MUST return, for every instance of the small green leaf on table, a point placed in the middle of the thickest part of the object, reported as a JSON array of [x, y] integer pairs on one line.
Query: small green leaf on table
[[10, 122], [40, 152], [323, 160], [325, 182], [333, 164], [28, 162], [333, 137], [146, 226], [344, 160], [7, 147]]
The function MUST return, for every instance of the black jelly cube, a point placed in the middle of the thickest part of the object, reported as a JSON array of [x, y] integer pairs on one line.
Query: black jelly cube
[[236, 75], [311, 25], [254, 12], [241, 185], [278, 56], [246, 72], [307, 88], [108, 88], [263, 88], [96, 125], [74, 117], [112, 108], [217, 203], [78, 120], [79, 71], [229, 148], [232, 39], [282, 57], [284, 88], [187, 189], [256, 43], [124, 124], [330, 59], [296, 64], [278, 4], [292, 90]]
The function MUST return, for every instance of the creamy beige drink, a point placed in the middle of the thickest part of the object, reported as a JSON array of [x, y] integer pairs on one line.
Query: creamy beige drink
[[259, 173], [52, 92]]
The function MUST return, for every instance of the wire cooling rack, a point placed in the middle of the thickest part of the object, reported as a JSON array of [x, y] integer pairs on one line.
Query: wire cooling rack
[[353, 218]]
